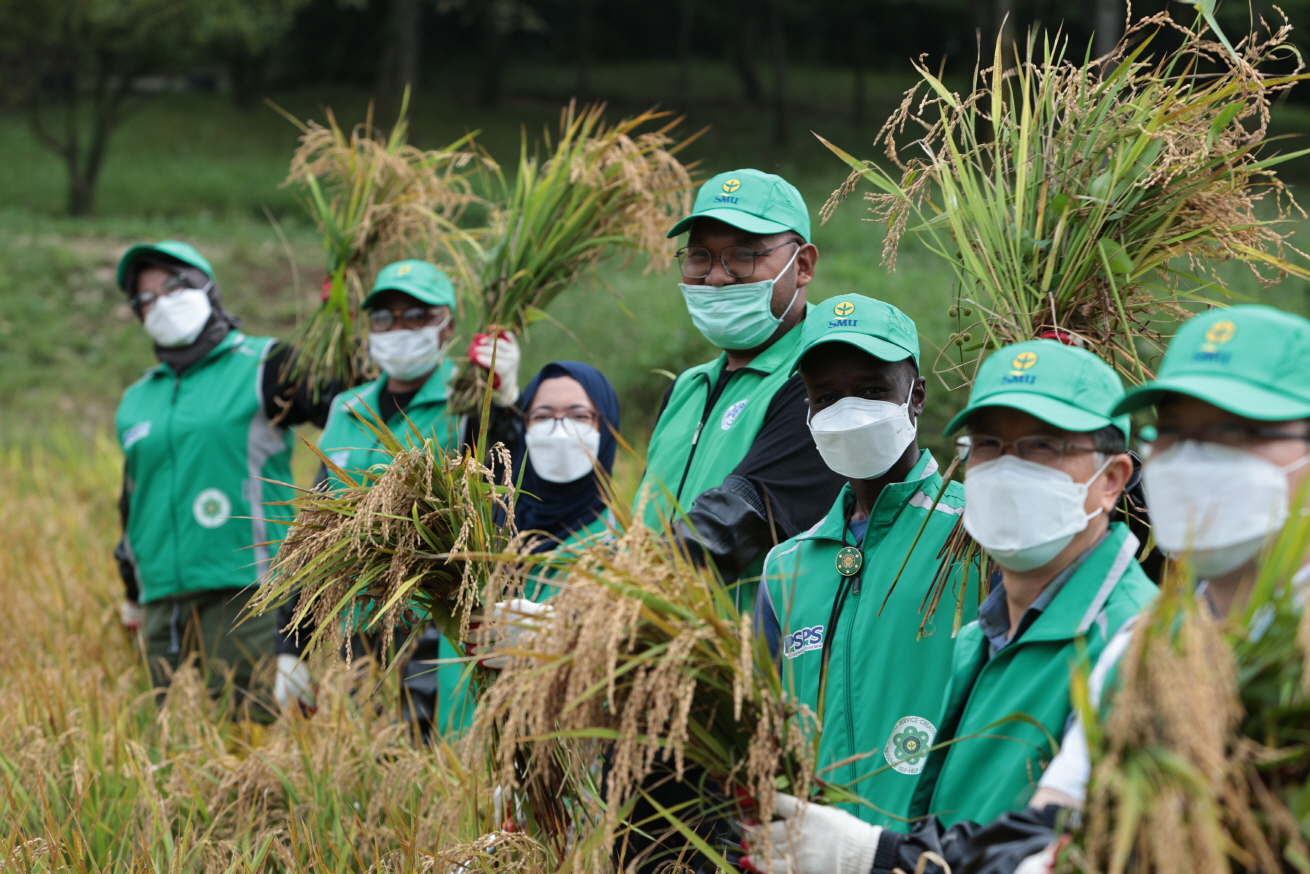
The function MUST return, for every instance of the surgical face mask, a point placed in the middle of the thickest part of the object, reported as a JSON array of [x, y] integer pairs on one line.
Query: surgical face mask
[[409, 352], [1023, 513], [860, 438], [736, 316], [1215, 505], [177, 319], [562, 450]]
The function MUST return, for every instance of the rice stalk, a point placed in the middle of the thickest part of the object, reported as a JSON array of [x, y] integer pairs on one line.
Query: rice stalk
[[1089, 199]]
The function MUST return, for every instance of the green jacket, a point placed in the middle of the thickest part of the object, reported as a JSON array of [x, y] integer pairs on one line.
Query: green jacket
[[540, 585], [695, 446], [995, 768], [205, 471], [883, 685], [350, 445]]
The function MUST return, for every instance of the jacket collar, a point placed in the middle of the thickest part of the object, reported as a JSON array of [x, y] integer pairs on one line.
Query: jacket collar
[[781, 354], [434, 391], [924, 477], [233, 339]]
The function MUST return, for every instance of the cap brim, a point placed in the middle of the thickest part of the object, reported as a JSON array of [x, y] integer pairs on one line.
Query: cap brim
[[875, 346], [1237, 396], [738, 219], [132, 254], [420, 296], [1048, 409]]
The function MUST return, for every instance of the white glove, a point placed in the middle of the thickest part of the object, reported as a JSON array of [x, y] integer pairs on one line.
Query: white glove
[[1039, 863], [131, 615], [293, 682], [505, 379], [810, 839], [509, 625]]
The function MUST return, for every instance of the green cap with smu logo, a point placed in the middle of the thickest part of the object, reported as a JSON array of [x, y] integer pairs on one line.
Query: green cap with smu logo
[[1250, 360], [871, 325], [758, 203], [1067, 387], [165, 250], [418, 279]]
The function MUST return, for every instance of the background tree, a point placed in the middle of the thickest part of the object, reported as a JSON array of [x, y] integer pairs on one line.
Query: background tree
[[399, 66]]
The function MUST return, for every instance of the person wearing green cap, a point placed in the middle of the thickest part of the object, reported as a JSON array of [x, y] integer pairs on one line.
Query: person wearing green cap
[[1046, 465], [206, 441], [730, 448], [848, 594]]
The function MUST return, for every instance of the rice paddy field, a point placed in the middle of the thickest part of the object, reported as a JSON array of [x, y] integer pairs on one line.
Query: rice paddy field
[[95, 774]]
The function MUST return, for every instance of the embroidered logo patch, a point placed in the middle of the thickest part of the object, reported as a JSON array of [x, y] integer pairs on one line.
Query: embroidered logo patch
[[907, 749], [731, 185], [803, 641], [730, 415], [211, 508], [844, 309]]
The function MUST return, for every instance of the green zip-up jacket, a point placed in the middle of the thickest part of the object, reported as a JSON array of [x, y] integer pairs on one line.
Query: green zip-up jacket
[[350, 445], [204, 472], [882, 686], [993, 769]]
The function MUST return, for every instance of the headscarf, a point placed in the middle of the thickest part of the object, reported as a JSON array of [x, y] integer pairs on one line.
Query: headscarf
[[559, 509], [220, 321]]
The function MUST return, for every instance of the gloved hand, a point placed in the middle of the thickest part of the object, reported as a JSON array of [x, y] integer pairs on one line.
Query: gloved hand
[[505, 378], [131, 615], [509, 625], [293, 683], [810, 839]]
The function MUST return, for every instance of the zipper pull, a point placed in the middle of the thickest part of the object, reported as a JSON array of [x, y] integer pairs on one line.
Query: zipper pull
[[177, 384], [855, 587], [695, 438]]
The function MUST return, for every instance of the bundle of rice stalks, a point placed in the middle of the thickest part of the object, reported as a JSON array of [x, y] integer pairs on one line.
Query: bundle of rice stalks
[[1089, 200], [407, 540], [375, 199], [644, 662], [601, 188]]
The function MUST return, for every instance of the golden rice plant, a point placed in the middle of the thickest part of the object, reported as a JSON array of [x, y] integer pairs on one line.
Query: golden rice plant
[[600, 188], [1089, 197], [644, 661], [375, 199]]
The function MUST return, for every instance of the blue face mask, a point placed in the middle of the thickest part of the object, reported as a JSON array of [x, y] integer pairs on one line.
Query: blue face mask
[[736, 316]]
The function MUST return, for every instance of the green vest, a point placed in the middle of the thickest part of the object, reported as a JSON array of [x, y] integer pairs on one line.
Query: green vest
[[205, 471], [883, 685], [995, 768], [350, 445], [695, 447], [539, 586]]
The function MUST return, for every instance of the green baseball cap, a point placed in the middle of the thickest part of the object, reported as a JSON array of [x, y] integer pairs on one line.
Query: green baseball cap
[[418, 279], [174, 250], [759, 203], [871, 325], [1068, 387], [1250, 360]]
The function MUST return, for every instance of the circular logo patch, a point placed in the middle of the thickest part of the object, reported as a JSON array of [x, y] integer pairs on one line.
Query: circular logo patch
[[730, 415], [731, 185], [211, 508], [907, 750], [1024, 360], [849, 560], [1221, 332], [843, 309]]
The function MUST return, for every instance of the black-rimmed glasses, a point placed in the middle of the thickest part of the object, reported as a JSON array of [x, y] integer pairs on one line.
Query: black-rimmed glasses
[[696, 262]]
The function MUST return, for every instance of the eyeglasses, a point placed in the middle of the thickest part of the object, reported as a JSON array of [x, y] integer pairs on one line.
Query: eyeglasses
[[578, 413], [697, 262], [1037, 448], [1233, 434], [173, 283], [380, 320]]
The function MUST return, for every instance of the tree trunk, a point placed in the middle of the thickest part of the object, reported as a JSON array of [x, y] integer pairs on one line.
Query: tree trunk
[[400, 58], [493, 54], [858, 63], [585, 20], [247, 72], [1109, 25], [747, 32], [778, 40], [686, 27]]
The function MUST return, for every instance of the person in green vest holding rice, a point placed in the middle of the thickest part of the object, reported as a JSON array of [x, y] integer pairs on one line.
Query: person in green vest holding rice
[[1047, 464], [207, 446], [841, 604], [730, 448]]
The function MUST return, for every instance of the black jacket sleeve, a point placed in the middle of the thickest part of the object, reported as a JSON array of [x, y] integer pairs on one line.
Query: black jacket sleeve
[[781, 488], [968, 847], [287, 404], [291, 642], [123, 551]]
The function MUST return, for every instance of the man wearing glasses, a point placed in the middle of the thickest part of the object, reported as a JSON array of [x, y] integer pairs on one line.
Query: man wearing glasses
[[731, 447]]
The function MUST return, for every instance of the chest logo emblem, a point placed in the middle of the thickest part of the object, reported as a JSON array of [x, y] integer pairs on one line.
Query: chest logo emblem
[[211, 508], [805, 640], [907, 749], [730, 415], [849, 561]]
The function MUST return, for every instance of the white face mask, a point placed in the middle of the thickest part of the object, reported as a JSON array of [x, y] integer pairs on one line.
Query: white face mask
[[860, 438], [562, 450], [1023, 513], [1215, 505], [177, 319], [408, 353]]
